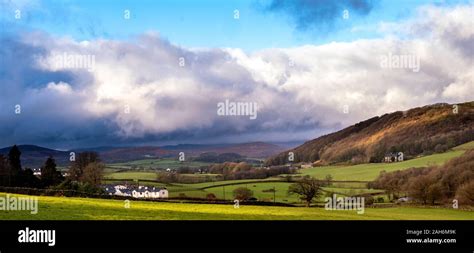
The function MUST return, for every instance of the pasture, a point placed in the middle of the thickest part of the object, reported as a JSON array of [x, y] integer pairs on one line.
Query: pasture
[[63, 208]]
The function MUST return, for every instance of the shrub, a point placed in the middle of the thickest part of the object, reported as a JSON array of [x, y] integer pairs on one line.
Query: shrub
[[368, 199], [211, 197]]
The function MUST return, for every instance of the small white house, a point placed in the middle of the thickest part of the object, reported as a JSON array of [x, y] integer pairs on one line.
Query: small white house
[[164, 193], [140, 192], [150, 192], [37, 172], [121, 187]]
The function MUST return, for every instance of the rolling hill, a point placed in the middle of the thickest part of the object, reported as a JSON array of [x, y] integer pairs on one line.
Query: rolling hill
[[34, 156], [418, 131], [251, 149], [133, 153]]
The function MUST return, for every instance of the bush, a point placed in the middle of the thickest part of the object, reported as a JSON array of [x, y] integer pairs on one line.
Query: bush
[[441, 148], [211, 197], [368, 199], [89, 188]]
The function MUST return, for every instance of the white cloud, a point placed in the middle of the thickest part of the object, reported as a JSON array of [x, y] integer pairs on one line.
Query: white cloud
[[296, 88]]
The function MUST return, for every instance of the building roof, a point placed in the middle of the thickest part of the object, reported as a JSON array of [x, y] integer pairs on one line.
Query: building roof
[[110, 188]]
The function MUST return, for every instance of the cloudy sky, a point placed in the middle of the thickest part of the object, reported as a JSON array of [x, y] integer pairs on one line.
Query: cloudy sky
[[153, 72]]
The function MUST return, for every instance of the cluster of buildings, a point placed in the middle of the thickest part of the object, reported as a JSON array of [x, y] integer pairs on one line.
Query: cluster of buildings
[[148, 192]]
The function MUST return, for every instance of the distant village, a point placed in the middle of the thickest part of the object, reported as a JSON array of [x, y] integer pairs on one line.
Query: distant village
[[133, 191]]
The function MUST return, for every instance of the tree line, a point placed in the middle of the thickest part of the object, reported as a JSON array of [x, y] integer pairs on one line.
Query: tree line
[[432, 185], [225, 171], [84, 174], [243, 170]]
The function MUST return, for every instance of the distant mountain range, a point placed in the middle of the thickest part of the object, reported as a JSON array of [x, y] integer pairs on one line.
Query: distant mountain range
[[251, 149], [418, 131], [34, 156]]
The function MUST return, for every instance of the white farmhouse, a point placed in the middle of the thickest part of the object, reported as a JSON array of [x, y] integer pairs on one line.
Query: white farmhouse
[[140, 192], [150, 192]]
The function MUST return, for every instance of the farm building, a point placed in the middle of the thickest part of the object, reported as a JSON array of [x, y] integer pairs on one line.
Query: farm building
[[37, 172], [306, 165], [137, 192], [393, 157], [150, 192]]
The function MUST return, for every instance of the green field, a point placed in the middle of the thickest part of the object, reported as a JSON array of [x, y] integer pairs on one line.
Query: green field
[[262, 193], [157, 163], [259, 191], [370, 171], [140, 175], [465, 146], [362, 172], [260, 187], [148, 175], [62, 208]]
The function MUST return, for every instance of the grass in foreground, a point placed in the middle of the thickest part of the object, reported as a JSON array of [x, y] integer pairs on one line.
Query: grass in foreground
[[62, 208]]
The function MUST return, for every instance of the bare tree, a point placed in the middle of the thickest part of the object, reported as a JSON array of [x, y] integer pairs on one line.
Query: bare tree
[[81, 162], [93, 173], [308, 188], [465, 193], [243, 193]]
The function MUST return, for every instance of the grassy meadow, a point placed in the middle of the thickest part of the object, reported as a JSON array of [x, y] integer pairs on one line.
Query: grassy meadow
[[63, 208], [370, 171]]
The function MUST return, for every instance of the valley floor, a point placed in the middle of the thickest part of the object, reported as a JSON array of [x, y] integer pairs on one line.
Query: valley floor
[[63, 208]]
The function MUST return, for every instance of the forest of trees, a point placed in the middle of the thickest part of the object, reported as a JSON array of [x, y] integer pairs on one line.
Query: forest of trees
[[419, 131], [433, 185]]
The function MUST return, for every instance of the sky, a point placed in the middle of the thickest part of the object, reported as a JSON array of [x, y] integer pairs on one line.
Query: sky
[[154, 72]]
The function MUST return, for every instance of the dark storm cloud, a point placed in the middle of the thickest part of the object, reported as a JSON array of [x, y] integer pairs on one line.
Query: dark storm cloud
[[62, 108], [17, 65], [47, 117], [319, 14]]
